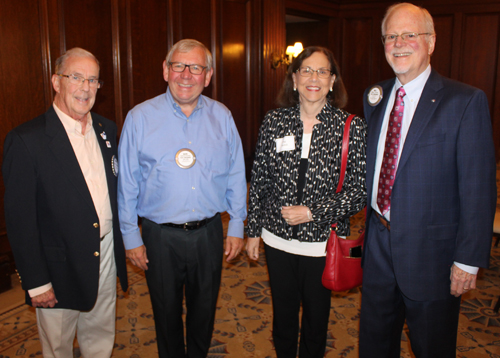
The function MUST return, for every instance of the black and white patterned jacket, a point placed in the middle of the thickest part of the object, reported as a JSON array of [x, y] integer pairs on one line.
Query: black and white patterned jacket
[[275, 175]]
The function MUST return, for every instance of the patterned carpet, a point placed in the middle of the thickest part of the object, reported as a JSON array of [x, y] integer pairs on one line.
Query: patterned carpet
[[244, 317]]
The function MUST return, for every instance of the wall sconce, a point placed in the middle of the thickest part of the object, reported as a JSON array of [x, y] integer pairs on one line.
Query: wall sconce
[[286, 59]]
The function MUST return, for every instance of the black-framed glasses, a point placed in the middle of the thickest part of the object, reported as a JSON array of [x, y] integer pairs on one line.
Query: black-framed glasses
[[180, 67], [308, 72], [80, 80], [406, 37]]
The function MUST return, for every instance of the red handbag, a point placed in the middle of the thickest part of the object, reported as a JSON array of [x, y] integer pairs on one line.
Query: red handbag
[[343, 257]]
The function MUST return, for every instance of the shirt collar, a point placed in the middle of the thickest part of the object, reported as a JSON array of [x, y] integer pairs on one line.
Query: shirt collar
[[177, 109], [414, 88], [71, 125]]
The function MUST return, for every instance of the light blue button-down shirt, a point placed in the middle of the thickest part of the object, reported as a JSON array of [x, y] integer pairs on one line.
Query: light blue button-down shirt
[[153, 186]]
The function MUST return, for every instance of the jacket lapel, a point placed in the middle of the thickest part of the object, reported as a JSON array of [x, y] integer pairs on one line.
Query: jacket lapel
[[106, 142], [429, 101]]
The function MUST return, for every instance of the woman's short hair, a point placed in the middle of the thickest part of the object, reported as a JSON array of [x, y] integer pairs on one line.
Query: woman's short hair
[[187, 45], [287, 97]]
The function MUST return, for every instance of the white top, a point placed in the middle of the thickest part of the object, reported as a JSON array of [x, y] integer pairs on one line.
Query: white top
[[306, 145], [296, 247]]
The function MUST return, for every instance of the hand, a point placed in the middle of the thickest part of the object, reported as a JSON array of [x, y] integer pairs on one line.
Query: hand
[[295, 215], [138, 257], [234, 245], [253, 247], [461, 281], [46, 299]]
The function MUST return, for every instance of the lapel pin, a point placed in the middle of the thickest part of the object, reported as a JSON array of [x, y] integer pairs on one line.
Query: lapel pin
[[108, 144], [433, 100], [103, 135]]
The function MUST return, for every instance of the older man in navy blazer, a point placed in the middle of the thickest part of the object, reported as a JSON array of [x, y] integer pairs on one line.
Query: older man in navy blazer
[[431, 195], [60, 172]]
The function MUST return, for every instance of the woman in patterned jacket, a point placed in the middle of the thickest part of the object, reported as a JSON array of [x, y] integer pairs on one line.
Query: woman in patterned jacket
[[292, 196]]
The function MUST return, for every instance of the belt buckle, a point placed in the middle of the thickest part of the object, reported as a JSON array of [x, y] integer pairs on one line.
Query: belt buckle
[[191, 226]]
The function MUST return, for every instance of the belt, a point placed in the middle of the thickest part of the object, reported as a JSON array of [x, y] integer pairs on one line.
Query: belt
[[192, 225], [383, 221]]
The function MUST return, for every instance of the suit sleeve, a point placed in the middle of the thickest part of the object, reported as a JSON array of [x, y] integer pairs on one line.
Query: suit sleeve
[[20, 179], [477, 183]]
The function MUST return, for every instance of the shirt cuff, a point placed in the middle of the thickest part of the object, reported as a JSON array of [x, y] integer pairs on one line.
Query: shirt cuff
[[235, 228], [470, 269], [39, 290], [132, 240]]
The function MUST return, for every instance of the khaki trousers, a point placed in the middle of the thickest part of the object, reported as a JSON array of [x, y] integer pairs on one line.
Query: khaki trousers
[[95, 329]]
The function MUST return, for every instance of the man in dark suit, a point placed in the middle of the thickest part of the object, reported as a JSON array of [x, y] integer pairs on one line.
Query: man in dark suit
[[431, 195], [60, 171]]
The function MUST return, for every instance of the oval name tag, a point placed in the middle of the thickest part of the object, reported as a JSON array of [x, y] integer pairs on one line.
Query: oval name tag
[[185, 158], [375, 95]]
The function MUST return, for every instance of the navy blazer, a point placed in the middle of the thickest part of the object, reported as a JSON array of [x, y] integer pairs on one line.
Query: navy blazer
[[52, 225], [444, 194]]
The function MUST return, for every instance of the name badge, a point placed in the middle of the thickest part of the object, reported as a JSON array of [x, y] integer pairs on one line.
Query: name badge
[[185, 158], [285, 143]]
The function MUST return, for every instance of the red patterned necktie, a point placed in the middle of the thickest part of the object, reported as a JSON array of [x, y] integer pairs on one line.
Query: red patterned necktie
[[391, 152]]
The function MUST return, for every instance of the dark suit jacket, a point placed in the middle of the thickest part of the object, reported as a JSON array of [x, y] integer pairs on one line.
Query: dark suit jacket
[[52, 224], [444, 195]]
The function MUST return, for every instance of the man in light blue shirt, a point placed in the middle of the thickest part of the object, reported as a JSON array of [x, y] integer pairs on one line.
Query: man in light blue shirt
[[181, 165]]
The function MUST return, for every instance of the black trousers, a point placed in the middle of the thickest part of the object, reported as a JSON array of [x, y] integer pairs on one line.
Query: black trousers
[[181, 262], [294, 280], [432, 324]]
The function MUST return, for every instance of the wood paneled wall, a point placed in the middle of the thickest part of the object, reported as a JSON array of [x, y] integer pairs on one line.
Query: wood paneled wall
[[131, 38], [467, 47]]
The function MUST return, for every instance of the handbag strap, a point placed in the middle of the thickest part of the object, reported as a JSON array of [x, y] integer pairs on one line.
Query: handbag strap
[[345, 151]]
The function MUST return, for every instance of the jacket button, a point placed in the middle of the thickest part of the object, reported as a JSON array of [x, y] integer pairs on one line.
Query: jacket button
[[96, 225], [96, 254]]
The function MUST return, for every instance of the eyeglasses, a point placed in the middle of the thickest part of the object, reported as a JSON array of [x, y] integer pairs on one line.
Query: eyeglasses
[[180, 67], [406, 37], [308, 72], [80, 80]]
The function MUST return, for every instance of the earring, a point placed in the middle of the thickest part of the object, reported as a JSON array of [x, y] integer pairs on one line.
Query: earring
[[295, 89], [331, 89]]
